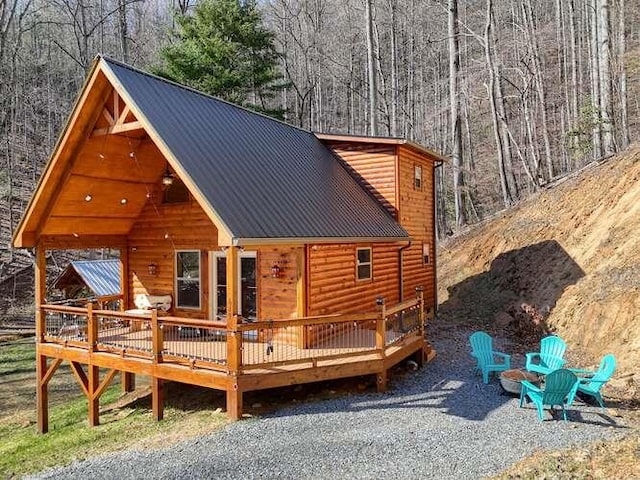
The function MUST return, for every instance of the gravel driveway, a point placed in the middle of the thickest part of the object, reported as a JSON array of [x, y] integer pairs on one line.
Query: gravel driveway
[[438, 422]]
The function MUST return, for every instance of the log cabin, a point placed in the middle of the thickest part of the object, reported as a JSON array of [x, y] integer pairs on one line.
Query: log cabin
[[253, 254]]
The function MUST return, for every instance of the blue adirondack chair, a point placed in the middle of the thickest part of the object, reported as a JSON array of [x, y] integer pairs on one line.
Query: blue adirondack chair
[[591, 385], [482, 351], [550, 356], [559, 389]]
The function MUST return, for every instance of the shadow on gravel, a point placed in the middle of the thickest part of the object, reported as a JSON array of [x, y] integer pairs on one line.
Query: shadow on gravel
[[520, 289]]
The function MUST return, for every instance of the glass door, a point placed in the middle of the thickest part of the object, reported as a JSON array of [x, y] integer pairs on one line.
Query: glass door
[[246, 281]]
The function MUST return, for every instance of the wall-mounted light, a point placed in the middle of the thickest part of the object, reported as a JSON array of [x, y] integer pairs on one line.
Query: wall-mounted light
[[153, 269], [276, 271], [88, 197], [167, 177], [123, 201]]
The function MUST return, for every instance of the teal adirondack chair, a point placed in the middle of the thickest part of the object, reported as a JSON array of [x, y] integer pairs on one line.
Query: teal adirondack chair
[[549, 358], [482, 351], [559, 389], [591, 385]]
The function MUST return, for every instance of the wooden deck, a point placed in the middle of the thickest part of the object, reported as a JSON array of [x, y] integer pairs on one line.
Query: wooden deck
[[251, 356]]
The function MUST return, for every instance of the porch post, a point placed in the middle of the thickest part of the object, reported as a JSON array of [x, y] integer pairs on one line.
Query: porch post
[[127, 379], [42, 393], [381, 377], [157, 387], [234, 338]]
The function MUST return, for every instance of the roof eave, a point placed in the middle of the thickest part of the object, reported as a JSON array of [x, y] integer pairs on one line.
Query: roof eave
[[380, 140], [243, 242]]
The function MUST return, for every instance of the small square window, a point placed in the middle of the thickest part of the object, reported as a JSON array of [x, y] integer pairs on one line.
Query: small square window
[[417, 177], [426, 254], [363, 263]]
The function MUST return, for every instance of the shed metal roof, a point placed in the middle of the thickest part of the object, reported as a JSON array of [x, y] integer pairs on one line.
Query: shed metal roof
[[102, 277], [263, 178]]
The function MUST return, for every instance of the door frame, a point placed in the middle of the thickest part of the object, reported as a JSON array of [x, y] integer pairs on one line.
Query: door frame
[[213, 281]]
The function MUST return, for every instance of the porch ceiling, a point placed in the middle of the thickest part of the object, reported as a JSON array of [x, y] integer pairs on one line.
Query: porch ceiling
[[110, 181]]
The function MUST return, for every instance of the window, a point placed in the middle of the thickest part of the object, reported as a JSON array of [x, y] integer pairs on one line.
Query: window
[[426, 254], [188, 279], [417, 177], [363, 263]]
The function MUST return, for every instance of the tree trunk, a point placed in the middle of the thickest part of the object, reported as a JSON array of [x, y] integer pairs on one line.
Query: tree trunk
[[371, 65], [604, 63], [124, 30], [595, 81], [540, 82], [622, 47], [454, 110], [491, 90]]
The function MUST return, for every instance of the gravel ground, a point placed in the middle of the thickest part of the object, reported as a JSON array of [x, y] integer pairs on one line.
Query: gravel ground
[[440, 421]]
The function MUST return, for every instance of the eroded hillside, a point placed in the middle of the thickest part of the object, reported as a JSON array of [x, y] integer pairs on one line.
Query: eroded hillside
[[569, 258]]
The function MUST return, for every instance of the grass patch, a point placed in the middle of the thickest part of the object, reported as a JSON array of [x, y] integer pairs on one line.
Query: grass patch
[[23, 451]]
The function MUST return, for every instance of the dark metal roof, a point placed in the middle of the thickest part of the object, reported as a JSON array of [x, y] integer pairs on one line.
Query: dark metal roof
[[263, 178], [102, 277]]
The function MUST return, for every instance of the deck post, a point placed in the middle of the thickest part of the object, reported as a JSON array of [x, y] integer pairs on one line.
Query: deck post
[[92, 330], [419, 356], [127, 381], [157, 338], [42, 393], [381, 376], [234, 338], [92, 396], [157, 398]]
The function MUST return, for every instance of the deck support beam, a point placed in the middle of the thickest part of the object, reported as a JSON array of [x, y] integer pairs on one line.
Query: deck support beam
[[381, 376], [42, 392], [127, 381], [92, 397], [157, 398], [234, 403]]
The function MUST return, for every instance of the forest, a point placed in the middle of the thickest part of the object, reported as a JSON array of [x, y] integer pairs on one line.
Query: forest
[[516, 93]]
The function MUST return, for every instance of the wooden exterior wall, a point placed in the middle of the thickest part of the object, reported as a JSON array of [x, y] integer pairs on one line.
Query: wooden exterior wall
[[333, 287], [388, 172], [159, 231], [417, 217], [162, 229], [375, 165]]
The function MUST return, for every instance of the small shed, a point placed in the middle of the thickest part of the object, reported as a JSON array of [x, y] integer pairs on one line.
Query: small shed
[[91, 279]]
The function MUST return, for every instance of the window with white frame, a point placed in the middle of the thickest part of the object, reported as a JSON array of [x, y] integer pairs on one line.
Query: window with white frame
[[417, 177], [363, 263], [426, 254], [188, 279]]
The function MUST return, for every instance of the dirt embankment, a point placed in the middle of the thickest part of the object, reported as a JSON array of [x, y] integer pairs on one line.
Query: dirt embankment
[[567, 260]]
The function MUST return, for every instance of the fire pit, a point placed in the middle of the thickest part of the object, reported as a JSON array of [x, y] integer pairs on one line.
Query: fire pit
[[510, 380]]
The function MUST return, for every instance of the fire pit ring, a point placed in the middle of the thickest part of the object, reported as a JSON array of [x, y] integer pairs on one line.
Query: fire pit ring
[[510, 380]]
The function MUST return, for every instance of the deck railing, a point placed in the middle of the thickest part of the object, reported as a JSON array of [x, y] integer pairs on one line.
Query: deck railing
[[247, 346]]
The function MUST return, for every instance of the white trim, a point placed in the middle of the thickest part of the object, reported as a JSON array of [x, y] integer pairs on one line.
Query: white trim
[[359, 264], [175, 279], [213, 303]]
